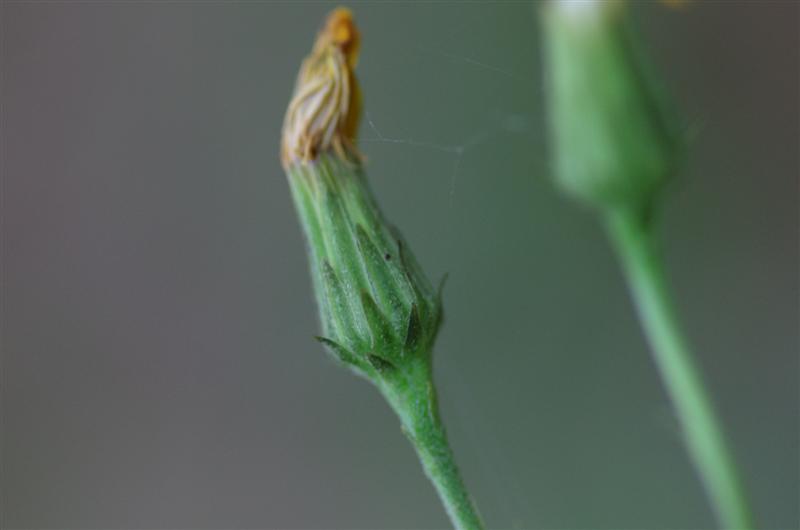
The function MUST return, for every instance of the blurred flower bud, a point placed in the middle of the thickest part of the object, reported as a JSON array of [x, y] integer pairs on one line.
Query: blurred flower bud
[[376, 306], [612, 139]]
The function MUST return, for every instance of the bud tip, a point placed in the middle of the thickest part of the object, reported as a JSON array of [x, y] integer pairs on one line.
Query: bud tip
[[325, 107]]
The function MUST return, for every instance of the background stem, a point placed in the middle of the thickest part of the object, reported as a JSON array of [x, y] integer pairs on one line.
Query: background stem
[[631, 234]]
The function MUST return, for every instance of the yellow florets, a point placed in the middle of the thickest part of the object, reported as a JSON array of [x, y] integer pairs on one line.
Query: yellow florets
[[325, 107]]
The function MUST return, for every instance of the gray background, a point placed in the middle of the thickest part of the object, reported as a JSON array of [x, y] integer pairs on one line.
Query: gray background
[[158, 367]]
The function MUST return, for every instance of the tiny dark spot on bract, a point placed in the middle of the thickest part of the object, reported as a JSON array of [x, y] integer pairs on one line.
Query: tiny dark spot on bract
[[387, 257]]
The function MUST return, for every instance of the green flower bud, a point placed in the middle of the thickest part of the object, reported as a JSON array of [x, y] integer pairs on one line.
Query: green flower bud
[[612, 141], [377, 308], [379, 313]]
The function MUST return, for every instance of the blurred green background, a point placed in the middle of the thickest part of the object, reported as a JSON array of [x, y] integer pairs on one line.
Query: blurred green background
[[158, 366]]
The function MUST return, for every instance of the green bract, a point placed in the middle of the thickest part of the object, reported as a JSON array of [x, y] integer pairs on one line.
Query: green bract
[[612, 140], [377, 308]]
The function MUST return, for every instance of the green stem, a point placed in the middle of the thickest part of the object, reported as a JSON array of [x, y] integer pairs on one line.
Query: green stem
[[636, 245], [413, 398]]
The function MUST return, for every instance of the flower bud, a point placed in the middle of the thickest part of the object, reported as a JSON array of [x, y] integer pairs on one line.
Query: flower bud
[[377, 308], [612, 140]]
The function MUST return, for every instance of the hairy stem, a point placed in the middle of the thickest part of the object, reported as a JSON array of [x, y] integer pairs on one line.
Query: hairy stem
[[413, 398], [635, 244]]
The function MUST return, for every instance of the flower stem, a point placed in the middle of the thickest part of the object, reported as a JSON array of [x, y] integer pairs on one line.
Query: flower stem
[[413, 398], [632, 235]]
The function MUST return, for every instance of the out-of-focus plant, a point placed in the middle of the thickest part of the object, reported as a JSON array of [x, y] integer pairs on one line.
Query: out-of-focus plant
[[614, 145], [379, 313]]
